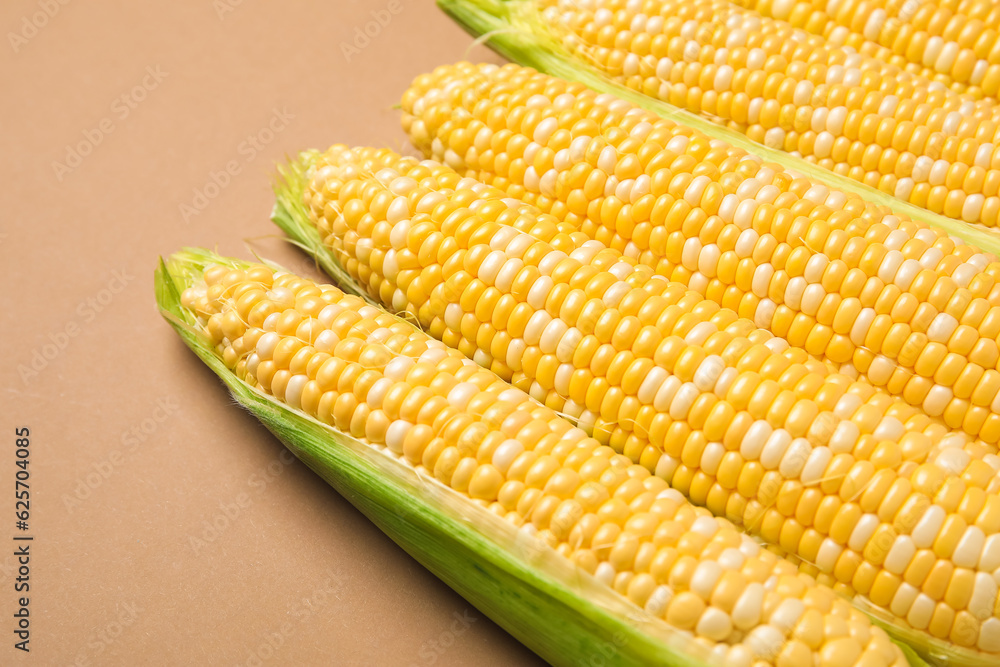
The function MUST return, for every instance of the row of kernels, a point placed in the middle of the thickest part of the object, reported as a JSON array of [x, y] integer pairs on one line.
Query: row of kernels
[[962, 51]]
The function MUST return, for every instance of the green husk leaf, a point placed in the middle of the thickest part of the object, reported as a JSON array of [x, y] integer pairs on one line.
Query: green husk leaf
[[565, 616], [513, 29], [290, 214]]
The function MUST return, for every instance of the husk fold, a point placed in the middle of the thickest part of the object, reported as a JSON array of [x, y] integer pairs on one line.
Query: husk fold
[[560, 613]]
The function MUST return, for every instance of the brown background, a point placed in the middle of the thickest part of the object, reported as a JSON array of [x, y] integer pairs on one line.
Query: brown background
[[116, 577]]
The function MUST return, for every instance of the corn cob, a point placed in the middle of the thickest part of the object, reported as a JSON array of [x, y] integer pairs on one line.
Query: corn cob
[[914, 310], [856, 117], [789, 453], [342, 163], [924, 38], [318, 352]]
